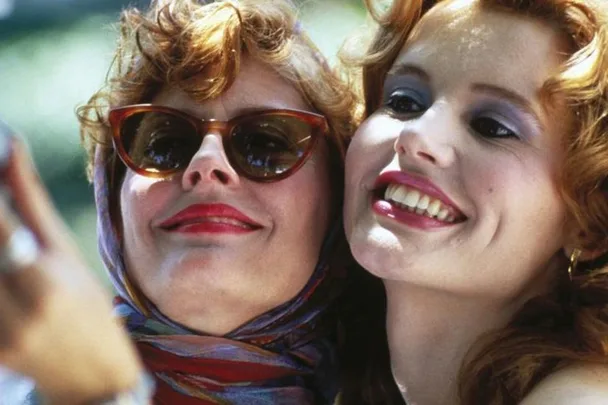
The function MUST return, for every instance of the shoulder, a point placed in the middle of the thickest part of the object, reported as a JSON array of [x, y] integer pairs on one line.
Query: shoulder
[[580, 384]]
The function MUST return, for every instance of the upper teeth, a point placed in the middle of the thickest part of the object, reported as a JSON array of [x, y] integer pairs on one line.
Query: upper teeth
[[220, 220], [414, 200]]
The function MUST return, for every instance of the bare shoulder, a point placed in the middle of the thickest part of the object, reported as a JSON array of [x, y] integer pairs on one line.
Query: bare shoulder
[[580, 384]]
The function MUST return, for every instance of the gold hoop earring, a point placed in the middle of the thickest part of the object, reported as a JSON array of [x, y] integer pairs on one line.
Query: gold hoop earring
[[573, 262]]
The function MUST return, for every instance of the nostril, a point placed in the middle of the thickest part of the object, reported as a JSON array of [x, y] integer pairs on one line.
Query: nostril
[[195, 178], [221, 176]]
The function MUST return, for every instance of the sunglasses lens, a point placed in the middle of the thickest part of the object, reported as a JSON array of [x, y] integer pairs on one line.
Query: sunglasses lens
[[159, 142], [266, 146]]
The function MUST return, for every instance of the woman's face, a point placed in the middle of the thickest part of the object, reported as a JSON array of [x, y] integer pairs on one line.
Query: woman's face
[[452, 184], [250, 246]]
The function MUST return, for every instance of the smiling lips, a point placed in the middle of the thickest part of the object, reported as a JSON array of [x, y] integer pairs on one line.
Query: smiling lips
[[414, 201], [210, 218]]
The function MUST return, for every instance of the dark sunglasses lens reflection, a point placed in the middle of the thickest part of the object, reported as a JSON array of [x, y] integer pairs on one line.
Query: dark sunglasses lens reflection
[[159, 142], [259, 146], [270, 145]]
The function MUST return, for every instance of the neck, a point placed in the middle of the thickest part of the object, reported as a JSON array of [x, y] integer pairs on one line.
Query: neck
[[429, 334]]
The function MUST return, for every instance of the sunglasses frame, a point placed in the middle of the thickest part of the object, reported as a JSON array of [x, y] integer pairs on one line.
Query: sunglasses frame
[[117, 117]]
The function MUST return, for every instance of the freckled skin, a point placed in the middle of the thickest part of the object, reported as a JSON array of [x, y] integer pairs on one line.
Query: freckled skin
[[217, 282], [448, 286], [507, 188]]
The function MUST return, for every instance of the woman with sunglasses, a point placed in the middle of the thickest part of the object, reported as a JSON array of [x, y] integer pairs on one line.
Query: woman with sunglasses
[[216, 156], [476, 189]]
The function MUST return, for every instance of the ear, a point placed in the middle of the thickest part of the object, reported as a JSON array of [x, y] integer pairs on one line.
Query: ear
[[589, 254]]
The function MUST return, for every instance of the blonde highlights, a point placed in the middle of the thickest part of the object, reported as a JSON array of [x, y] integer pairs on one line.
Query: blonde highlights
[[199, 47]]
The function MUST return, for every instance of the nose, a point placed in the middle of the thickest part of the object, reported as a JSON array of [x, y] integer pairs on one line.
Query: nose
[[429, 139], [210, 164]]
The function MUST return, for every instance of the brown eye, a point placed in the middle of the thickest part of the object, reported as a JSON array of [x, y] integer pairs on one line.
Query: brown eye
[[491, 128], [405, 102]]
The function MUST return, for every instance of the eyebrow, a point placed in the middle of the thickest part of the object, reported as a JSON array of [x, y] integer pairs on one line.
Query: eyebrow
[[403, 70], [513, 97], [519, 101]]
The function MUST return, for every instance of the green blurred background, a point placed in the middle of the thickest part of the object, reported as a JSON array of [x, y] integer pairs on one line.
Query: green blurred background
[[55, 53]]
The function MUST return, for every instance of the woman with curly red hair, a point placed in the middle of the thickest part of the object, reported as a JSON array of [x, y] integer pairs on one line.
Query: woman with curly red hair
[[216, 155], [476, 189]]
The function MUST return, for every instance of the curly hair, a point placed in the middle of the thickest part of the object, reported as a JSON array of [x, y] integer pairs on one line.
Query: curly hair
[[198, 48], [570, 323]]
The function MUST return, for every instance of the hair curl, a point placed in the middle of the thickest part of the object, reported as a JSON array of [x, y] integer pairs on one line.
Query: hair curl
[[570, 324], [198, 48]]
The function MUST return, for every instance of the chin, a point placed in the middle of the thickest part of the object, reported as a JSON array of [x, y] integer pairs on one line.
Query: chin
[[378, 252]]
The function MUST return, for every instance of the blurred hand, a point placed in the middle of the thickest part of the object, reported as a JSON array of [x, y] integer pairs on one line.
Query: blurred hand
[[56, 322]]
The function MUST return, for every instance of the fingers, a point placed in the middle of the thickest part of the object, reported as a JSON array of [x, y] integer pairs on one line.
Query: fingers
[[20, 281], [17, 270], [33, 202], [13, 301], [10, 315]]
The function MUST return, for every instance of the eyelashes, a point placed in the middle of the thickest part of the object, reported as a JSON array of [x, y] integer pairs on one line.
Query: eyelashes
[[406, 104], [488, 127]]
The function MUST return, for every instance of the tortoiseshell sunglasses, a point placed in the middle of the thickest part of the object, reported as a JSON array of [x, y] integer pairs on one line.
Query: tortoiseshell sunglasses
[[263, 146]]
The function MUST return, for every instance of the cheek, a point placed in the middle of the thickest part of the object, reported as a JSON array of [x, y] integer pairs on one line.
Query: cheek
[[130, 227], [371, 151], [142, 200], [317, 196], [132, 206], [523, 195], [305, 203], [127, 205]]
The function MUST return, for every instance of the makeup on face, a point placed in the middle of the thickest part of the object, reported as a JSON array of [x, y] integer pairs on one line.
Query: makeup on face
[[414, 200], [210, 218], [460, 116], [225, 206], [493, 111]]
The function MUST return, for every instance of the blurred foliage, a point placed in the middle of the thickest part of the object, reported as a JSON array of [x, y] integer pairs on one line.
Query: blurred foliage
[[55, 53]]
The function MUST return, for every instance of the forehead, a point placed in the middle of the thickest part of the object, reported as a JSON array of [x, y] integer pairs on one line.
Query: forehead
[[257, 86], [460, 39]]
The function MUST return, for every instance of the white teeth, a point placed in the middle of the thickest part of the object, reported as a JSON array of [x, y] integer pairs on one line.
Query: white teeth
[[434, 207], [424, 202], [414, 201], [411, 199], [222, 220], [399, 194]]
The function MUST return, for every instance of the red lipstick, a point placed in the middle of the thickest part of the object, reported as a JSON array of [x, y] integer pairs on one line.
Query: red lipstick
[[210, 218], [397, 212], [419, 183]]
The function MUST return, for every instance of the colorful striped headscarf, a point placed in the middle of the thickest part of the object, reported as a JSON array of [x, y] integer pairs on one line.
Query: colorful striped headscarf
[[285, 356]]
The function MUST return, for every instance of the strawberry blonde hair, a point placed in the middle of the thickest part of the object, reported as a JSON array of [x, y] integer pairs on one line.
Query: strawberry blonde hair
[[569, 324], [198, 47]]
